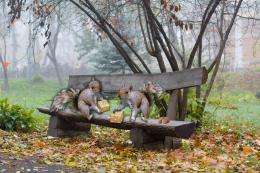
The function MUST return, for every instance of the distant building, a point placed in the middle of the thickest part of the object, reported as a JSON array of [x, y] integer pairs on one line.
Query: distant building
[[243, 47]]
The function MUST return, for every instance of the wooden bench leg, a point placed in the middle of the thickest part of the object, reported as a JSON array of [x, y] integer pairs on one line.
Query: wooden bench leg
[[172, 142], [59, 127], [142, 139]]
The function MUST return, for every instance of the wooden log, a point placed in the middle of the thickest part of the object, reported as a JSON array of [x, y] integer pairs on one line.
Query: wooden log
[[60, 123], [169, 81], [172, 142], [140, 137], [60, 127], [180, 129], [169, 141], [172, 107]]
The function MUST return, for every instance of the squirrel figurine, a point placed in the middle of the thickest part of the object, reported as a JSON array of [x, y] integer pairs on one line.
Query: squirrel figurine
[[154, 91], [152, 88], [87, 100], [136, 101], [62, 98]]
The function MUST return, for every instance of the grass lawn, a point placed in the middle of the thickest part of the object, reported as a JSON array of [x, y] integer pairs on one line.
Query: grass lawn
[[235, 106], [30, 94]]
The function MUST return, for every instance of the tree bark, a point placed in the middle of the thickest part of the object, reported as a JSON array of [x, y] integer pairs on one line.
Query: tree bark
[[52, 46], [5, 74], [198, 88]]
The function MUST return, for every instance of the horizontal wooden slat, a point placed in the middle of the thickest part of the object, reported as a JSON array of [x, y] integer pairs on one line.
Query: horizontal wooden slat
[[180, 129], [168, 81]]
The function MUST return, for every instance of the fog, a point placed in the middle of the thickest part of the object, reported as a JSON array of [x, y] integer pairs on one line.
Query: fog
[[23, 45]]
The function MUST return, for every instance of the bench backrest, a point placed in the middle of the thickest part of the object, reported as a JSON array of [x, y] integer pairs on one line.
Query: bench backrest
[[168, 81]]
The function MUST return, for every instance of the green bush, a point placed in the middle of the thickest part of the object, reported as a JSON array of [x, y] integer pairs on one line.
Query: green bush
[[37, 79], [257, 95], [15, 117]]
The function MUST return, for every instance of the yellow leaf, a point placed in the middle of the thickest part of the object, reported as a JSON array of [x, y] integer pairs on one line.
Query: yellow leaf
[[132, 170], [210, 161], [197, 142], [71, 164], [250, 170], [39, 143], [47, 162]]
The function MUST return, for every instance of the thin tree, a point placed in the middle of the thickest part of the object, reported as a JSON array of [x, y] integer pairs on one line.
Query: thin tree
[[158, 43]]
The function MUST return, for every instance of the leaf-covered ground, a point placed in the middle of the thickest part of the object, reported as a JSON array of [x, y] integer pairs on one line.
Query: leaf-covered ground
[[109, 150], [19, 164]]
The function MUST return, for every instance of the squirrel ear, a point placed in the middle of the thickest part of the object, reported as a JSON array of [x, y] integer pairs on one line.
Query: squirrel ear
[[86, 84], [92, 78], [130, 87]]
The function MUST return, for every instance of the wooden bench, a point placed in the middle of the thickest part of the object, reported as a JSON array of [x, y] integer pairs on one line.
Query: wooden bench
[[65, 123]]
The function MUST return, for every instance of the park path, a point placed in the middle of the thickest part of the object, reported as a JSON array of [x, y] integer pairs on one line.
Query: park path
[[12, 164]]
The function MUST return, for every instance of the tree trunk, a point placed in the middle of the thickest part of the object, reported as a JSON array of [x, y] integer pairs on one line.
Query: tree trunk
[[198, 88], [5, 74], [3, 57], [57, 69], [3, 60], [224, 39], [6, 83], [14, 46], [29, 69], [52, 45]]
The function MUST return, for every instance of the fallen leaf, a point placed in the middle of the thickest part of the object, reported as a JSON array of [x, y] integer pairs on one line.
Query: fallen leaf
[[250, 170], [47, 162], [247, 150], [39, 143], [210, 161], [71, 164], [258, 141], [197, 142]]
